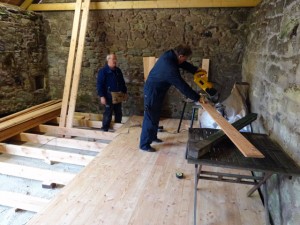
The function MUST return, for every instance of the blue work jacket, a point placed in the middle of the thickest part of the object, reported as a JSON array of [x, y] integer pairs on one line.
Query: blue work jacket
[[166, 73], [109, 80]]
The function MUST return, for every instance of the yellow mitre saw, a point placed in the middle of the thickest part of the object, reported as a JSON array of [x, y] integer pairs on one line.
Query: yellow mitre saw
[[201, 79]]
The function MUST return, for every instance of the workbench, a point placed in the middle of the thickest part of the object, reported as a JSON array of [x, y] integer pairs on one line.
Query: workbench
[[225, 154]]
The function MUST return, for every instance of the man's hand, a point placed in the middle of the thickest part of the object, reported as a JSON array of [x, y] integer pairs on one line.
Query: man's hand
[[103, 100], [201, 72]]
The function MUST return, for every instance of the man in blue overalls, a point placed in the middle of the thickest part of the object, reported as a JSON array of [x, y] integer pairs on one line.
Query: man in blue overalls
[[110, 79], [163, 75]]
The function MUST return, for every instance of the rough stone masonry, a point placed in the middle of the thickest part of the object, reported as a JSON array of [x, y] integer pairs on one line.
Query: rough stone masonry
[[271, 65], [23, 60], [217, 34]]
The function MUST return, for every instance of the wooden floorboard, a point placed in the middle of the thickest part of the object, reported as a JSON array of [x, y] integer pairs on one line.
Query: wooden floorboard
[[124, 185]]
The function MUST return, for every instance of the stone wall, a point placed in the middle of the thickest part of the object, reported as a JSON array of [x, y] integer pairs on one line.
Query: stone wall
[[217, 34], [271, 64], [23, 60]]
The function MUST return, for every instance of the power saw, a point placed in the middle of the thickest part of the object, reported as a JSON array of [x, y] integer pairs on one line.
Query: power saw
[[201, 79]]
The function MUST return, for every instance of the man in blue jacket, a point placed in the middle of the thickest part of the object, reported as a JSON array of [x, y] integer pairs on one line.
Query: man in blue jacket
[[110, 79], [163, 75]]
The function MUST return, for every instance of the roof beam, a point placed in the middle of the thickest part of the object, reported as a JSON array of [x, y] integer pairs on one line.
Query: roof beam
[[26, 4], [147, 4]]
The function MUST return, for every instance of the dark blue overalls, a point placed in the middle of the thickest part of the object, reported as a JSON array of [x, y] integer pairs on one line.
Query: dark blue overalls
[[108, 81], [164, 74]]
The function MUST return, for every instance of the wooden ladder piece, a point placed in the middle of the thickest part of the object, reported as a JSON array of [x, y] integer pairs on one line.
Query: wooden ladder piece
[[245, 147]]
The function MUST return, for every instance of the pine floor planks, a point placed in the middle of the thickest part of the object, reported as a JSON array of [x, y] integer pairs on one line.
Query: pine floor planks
[[124, 185]]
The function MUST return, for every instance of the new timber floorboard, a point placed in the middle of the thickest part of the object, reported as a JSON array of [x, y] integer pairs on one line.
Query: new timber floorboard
[[124, 185]]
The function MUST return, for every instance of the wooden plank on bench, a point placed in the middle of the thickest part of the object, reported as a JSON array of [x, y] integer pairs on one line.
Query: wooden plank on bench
[[21, 201], [76, 132], [62, 142], [245, 147], [51, 155], [32, 173]]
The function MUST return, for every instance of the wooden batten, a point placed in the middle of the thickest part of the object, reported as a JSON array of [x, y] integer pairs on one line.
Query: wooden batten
[[87, 123], [76, 132], [205, 65], [22, 201], [147, 5], [51, 155], [60, 142], [27, 172]]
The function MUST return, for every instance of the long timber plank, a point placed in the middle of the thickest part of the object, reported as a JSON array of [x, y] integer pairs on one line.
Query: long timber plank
[[48, 155], [29, 110], [124, 185], [78, 62], [76, 132], [43, 175], [21, 201], [61, 142], [70, 65], [245, 147], [29, 116], [7, 133]]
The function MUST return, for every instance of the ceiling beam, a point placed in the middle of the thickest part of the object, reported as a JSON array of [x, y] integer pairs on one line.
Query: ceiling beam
[[26, 4], [147, 4]]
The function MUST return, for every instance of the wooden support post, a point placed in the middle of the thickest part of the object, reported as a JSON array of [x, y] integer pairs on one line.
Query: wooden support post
[[78, 62], [69, 72]]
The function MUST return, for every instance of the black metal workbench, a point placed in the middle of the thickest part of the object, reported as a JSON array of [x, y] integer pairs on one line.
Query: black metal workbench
[[225, 154]]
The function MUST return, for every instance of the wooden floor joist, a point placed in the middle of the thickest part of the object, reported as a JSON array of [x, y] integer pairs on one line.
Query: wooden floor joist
[[246, 148], [22, 201], [43, 175], [75, 132], [87, 123], [60, 142], [50, 155]]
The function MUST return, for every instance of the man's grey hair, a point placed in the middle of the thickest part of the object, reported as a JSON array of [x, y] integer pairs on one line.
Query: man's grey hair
[[109, 55]]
